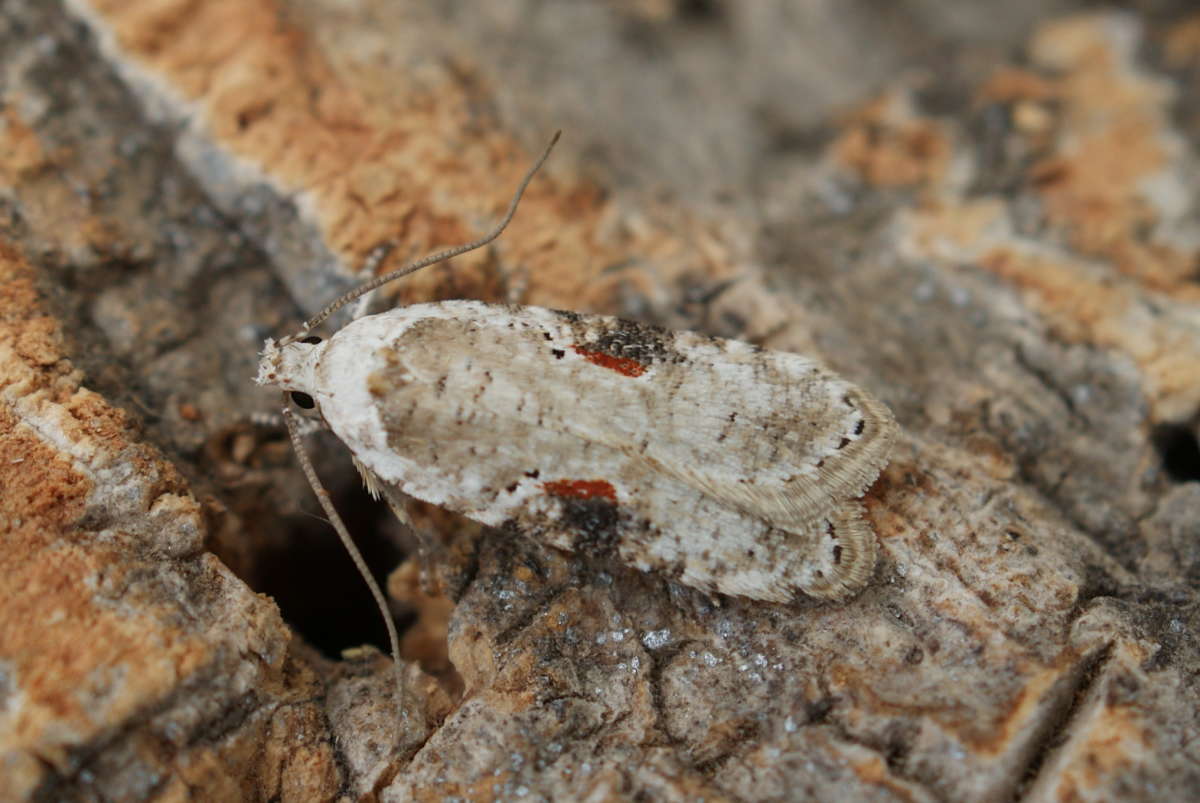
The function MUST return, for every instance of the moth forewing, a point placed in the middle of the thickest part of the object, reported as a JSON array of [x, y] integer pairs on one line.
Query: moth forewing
[[730, 468]]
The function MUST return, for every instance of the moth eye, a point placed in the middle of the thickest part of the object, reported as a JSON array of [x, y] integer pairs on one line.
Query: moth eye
[[303, 400], [312, 340]]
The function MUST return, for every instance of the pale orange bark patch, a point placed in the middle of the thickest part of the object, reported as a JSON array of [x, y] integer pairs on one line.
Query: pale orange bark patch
[[373, 158], [888, 147]]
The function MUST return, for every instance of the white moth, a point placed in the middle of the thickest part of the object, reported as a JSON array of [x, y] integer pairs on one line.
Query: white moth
[[729, 468]]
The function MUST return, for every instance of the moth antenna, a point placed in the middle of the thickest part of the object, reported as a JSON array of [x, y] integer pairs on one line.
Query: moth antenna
[[343, 533], [379, 253]]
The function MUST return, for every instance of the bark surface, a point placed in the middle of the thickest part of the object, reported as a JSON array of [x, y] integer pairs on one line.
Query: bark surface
[[990, 223]]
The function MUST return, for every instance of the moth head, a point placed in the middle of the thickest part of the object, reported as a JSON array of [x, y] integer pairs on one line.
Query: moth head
[[290, 366]]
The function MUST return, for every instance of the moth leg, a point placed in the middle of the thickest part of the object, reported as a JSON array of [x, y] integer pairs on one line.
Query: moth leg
[[516, 286], [375, 257], [363, 306], [429, 550]]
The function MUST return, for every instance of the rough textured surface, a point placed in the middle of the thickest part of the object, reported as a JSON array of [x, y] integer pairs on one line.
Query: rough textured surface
[[989, 224]]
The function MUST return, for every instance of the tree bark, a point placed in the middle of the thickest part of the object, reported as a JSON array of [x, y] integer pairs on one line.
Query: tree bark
[[989, 222]]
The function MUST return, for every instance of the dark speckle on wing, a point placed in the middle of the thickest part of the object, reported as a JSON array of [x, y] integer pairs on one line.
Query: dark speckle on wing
[[624, 342]]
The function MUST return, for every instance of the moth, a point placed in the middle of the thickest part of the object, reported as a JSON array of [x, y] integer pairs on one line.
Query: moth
[[727, 467]]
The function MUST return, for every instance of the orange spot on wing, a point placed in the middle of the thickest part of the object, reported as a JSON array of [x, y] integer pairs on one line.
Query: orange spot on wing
[[622, 365], [581, 489]]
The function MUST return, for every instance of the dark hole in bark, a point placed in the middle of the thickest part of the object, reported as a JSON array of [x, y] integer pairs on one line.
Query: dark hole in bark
[[313, 580], [699, 9], [1180, 452]]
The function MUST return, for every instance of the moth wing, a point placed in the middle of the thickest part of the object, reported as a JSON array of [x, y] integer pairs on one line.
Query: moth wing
[[772, 434], [811, 483], [775, 437], [728, 467], [832, 560]]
